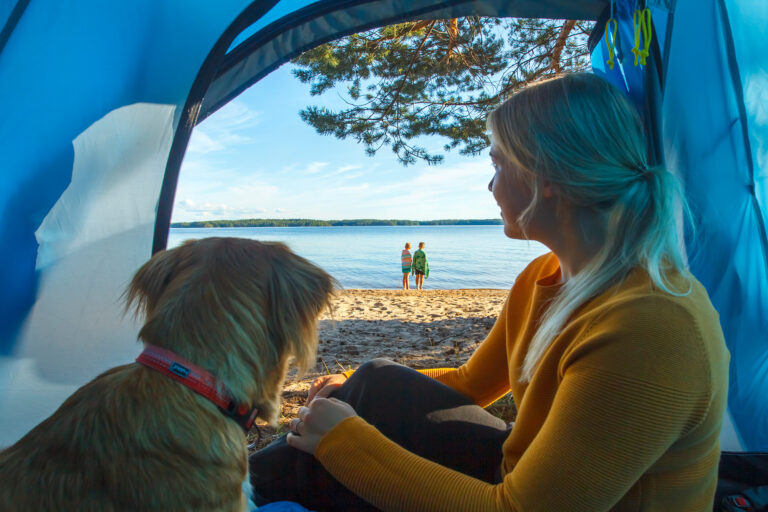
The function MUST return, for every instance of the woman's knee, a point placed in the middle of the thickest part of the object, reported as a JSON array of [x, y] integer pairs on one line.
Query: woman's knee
[[373, 366], [373, 370], [370, 381]]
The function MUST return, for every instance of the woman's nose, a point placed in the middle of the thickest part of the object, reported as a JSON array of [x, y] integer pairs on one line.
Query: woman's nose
[[490, 185]]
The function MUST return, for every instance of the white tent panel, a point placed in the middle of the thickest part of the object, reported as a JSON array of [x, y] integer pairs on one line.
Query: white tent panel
[[112, 77], [91, 242]]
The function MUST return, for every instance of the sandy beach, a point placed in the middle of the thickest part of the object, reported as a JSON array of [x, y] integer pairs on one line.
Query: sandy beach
[[420, 329]]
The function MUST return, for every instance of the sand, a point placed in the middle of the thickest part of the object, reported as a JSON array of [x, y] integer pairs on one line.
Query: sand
[[419, 329]]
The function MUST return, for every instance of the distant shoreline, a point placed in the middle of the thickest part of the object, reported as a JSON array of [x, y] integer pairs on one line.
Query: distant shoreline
[[289, 223]]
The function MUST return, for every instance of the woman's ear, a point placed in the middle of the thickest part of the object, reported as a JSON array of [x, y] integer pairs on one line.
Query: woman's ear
[[547, 190]]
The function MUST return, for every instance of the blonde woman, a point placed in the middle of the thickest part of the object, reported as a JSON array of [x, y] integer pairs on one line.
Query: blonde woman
[[611, 348]]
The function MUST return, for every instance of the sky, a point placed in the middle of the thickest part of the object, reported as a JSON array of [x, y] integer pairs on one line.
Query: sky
[[256, 158]]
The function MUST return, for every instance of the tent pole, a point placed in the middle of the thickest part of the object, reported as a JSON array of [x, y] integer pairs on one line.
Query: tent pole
[[189, 116], [653, 102], [13, 20]]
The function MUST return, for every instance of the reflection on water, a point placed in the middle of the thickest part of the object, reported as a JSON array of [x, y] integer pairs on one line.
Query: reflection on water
[[369, 256]]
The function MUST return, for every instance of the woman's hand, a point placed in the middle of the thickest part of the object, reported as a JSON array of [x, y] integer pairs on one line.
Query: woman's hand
[[315, 421], [323, 386]]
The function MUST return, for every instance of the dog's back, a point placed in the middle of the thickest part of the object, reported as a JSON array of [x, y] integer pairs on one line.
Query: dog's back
[[131, 439]]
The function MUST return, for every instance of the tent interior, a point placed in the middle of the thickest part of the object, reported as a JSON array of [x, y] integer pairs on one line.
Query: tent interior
[[100, 100]]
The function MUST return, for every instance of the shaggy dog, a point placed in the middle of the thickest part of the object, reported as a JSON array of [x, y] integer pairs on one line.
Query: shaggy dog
[[137, 437]]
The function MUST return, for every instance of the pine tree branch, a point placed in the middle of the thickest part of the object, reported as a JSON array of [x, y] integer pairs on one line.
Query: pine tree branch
[[452, 28], [438, 77], [413, 28], [560, 44], [407, 71]]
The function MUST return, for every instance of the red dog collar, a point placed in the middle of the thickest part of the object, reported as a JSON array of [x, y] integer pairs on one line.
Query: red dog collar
[[199, 381]]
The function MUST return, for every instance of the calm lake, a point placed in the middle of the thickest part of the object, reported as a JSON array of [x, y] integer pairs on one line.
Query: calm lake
[[369, 256]]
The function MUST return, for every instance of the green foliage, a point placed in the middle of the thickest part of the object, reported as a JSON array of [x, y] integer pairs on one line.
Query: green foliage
[[439, 77], [282, 223]]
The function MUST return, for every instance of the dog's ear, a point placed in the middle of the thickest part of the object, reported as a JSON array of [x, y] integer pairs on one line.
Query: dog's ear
[[150, 281], [298, 292]]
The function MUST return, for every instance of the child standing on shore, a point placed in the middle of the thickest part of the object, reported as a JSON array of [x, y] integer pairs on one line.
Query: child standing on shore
[[405, 261], [420, 266]]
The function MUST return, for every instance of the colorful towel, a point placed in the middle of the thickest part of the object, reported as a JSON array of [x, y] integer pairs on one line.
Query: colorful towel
[[405, 260], [420, 262]]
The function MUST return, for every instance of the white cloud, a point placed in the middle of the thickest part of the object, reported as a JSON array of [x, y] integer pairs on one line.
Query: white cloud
[[234, 114], [202, 143], [352, 188], [230, 126], [226, 197], [190, 209], [345, 168], [316, 167]]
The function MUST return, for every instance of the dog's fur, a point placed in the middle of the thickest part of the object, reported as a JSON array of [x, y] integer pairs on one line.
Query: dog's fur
[[134, 439]]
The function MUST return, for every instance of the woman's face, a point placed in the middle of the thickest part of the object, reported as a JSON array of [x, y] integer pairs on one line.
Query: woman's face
[[512, 192]]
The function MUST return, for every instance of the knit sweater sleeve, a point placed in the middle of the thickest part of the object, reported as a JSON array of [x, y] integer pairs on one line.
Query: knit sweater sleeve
[[610, 420]]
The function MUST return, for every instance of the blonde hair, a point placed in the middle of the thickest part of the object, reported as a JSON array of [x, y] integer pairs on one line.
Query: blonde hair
[[407, 245], [580, 134]]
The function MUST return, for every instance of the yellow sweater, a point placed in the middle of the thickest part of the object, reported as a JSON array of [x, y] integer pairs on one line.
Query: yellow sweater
[[623, 412]]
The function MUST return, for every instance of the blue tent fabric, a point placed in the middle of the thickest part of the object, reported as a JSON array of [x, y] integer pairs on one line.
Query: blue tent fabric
[[82, 83], [748, 20], [625, 75], [706, 141]]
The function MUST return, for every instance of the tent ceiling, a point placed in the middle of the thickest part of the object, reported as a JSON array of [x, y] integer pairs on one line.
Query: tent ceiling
[[273, 44]]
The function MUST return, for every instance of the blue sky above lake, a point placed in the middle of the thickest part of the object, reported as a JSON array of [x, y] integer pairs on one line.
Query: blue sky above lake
[[256, 158]]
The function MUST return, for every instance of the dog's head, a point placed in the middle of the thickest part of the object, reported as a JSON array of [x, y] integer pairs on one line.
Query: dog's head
[[236, 307]]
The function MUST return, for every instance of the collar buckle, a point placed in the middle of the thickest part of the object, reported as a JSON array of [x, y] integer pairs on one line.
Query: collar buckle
[[242, 414]]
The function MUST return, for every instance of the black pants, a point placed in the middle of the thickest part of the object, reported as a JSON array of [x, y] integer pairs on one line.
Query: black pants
[[417, 412], [740, 471]]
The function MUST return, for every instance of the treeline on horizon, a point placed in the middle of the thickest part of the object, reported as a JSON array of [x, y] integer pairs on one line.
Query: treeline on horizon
[[288, 223]]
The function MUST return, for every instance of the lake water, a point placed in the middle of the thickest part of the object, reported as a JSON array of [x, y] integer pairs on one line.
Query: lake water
[[369, 256]]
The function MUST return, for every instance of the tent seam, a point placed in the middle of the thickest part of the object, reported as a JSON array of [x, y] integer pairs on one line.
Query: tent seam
[[11, 22]]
